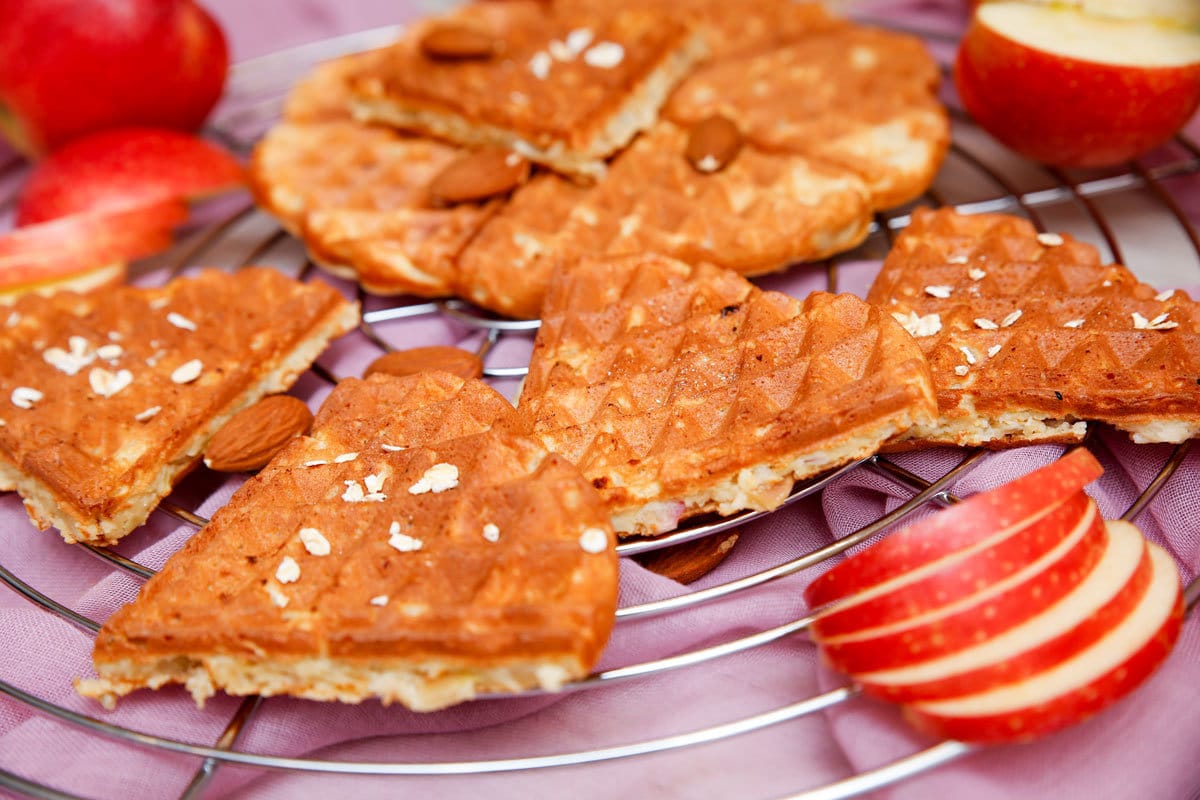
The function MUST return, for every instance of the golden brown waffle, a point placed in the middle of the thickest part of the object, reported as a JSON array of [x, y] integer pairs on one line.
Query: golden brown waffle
[[852, 96], [680, 390], [358, 195], [757, 215], [568, 88], [413, 548], [109, 398], [1029, 335]]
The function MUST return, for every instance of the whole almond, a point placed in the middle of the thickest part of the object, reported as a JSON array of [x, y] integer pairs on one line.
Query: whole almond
[[254, 435], [713, 143], [689, 561], [421, 359], [458, 43], [478, 176]]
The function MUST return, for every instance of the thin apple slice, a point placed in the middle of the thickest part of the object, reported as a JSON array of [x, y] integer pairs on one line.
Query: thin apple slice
[[996, 608], [122, 168], [948, 580], [1058, 632], [980, 518], [1077, 687]]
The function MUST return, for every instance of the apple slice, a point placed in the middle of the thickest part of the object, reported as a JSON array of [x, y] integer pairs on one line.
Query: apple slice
[[947, 580], [997, 608], [84, 250], [1077, 88], [979, 519], [122, 168], [1077, 687], [1058, 632]]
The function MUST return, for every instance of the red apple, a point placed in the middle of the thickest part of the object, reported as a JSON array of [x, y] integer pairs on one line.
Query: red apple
[[70, 67], [84, 250], [1075, 88], [125, 167], [964, 573], [999, 607], [1062, 629], [1075, 688], [978, 519]]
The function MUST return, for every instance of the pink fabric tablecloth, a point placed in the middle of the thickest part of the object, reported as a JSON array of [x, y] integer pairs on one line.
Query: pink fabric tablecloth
[[1144, 747]]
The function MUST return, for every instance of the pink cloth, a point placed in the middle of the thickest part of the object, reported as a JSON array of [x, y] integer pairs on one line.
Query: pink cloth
[[1143, 747]]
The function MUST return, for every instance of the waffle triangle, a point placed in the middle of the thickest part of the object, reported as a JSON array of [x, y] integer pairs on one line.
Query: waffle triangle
[[413, 548], [761, 390], [1056, 336]]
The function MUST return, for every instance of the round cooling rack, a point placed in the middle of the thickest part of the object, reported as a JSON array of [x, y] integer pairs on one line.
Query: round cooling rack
[[1131, 212]]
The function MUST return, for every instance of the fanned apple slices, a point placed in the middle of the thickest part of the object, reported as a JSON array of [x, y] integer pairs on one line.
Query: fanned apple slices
[[1006, 617]]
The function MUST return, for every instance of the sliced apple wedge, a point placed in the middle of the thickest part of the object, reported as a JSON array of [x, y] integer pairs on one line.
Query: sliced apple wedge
[[122, 168], [1099, 603], [1077, 87], [990, 611], [979, 519], [1075, 688], [955, 577]]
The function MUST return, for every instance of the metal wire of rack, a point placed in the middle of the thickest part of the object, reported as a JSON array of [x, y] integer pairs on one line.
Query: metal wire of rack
[[256, 92]]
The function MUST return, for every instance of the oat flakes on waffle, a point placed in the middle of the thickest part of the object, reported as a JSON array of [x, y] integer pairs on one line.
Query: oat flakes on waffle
[[415, 548], [774, 204], [110, 397], [1031, 335], [680, 390]]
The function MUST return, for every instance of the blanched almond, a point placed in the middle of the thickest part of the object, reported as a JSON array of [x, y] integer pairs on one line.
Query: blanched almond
[[421, 359], [458, 43], [478, 176], [254, 435], [713, 143]]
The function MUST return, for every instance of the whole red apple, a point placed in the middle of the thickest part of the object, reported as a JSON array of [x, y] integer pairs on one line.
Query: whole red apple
[[70, 67], [1077, 88]]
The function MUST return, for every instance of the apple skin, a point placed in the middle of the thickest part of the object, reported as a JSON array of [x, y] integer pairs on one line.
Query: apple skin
[[70, 67], [958, 578], [1079, 701], [68, 250], [1018, 666], [1066, 111], [972, 521], [124, 167], [975, 620]]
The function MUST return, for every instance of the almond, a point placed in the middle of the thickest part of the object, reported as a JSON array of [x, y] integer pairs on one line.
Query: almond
[[458, 43], [421, 359], [478, 176], [713, 143], [689, 561], [254, 435]]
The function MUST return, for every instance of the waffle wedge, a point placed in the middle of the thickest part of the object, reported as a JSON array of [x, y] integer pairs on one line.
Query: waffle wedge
[[680, 390], [1031, 335], [413, 548], [566, 87], [110, 397]]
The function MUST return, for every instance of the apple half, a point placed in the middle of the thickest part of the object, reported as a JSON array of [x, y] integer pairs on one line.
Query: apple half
[[1075, 688], [1077, 87]]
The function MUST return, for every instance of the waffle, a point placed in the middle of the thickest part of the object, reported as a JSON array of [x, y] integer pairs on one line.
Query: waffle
[[110, 397], [568, 89], [681, 390], [1032, 335], [757, 215], [358, 195], [851, 96], [354, 566]]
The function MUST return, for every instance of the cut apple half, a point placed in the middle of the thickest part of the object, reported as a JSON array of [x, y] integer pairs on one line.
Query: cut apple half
[[956, 576], [1077, 87], [1077, 687], [1100, 602], [998, 607], [978, 519]]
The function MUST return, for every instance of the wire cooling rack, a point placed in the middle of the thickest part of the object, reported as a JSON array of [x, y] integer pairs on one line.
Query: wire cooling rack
[[1124, 211]]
